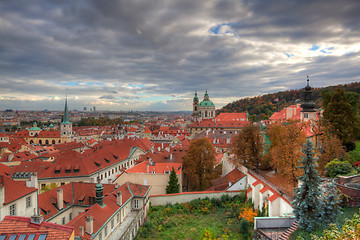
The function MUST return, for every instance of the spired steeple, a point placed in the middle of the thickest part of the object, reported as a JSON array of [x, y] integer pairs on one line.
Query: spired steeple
[[308, 105], [308, 111], [66, 113], [196, 99], [66, 125]]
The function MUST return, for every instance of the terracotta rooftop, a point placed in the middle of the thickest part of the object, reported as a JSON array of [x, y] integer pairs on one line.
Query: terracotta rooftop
[[73, 193], [22, 228], [13, 189], [102, 214]]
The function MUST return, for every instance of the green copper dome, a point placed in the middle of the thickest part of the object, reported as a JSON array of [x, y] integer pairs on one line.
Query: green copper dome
[[35, 127], [207, 103]]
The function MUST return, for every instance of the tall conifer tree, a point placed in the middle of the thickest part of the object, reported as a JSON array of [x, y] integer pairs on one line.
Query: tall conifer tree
[[307, 205], [173, 184]]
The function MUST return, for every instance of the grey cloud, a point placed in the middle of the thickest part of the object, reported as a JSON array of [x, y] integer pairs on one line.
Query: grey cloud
[[169, 44]]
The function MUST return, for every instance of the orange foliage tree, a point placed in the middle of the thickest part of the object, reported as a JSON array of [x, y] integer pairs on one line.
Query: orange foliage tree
[[248, 214], [328, 145], [287, 140], [199, 163], [247, 147]]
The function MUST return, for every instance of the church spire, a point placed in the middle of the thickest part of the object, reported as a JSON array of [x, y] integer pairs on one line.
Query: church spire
[[308, 105], [66, 112]]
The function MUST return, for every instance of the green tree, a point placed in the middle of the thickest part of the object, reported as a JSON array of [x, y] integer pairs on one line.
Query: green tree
[[248, 147], [173, 184], [199, 164], [341, 116], [307, 205], [330, 204]]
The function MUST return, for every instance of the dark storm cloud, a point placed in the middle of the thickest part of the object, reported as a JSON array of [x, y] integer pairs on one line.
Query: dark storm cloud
[[135, 50]]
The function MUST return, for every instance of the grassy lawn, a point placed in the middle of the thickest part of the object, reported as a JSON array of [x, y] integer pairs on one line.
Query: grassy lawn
[[199, 219], [190, 226], [347, 214]]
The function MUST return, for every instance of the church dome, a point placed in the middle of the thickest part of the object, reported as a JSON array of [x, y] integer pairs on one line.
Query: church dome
[[207, 103]]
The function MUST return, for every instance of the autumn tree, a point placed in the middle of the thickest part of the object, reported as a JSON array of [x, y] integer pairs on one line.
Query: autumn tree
[[327, 144], [341, 116], [199, 164], [173, 184], [285, 149], [247, 147]]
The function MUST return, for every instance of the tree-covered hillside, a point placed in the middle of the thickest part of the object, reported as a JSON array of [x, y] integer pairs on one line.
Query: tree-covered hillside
[[262, 107]]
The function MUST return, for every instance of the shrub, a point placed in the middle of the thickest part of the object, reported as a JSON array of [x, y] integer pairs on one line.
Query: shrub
[[337, 167], [354, 156], [244, 227]]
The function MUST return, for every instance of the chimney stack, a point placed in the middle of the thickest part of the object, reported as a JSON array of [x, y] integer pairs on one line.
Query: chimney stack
[[119, 198], [34, 181], [81, 231], [171, 156], [60, 199], [89, 225]]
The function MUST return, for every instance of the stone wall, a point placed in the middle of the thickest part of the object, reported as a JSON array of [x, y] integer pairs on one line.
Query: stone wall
[[164, 199], [346, 186]]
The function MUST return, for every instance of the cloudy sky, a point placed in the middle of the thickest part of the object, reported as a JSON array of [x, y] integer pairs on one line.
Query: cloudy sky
[[152, 55]]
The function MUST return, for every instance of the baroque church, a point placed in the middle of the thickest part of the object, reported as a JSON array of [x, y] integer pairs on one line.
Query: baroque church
[[203, 110]]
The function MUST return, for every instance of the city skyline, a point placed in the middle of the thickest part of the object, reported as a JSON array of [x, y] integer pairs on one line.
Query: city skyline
[[152, 56]]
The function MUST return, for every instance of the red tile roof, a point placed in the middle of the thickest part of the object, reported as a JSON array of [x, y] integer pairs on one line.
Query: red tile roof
[[231, 117], [14, 225], [73, 193], [158, 168], [222, 183], [102, 214], [14, 190]]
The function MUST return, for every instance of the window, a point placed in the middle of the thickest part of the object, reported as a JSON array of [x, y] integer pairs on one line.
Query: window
[[306, 115], [112, 224], [106, 231], [63, 221], [100, 236], [70, 216], [118, 217], [28, 202], [136, 203], [13, 210]]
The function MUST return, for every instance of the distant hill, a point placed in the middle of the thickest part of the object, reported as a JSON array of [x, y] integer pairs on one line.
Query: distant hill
[[262, 107]]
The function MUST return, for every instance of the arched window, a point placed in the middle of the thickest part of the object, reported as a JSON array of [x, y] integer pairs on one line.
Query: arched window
[[205, 113], [40, 141], [53, 141], [47, 142], [59, 141], [31, 141]]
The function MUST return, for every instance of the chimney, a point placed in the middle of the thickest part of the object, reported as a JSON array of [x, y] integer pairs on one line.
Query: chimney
[[147, 168], [162, 145], [60, 199], [89, 225], [81, 231], [230, 184], [36, 218], [119, 198], [34, 181], [171, 156], [214, 141]]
